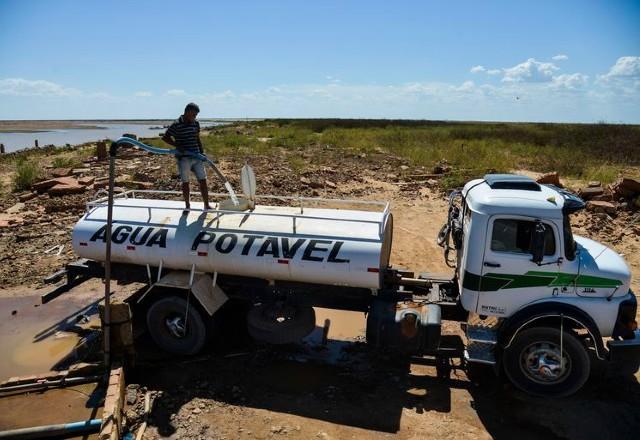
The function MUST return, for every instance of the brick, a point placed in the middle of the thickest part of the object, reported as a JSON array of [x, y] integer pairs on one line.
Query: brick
[[61, 172], [598, 206], [64, 189], [591, 192], [550, 178]]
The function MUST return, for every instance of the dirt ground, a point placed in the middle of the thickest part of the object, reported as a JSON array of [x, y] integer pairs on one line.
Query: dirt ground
[[341, 391]]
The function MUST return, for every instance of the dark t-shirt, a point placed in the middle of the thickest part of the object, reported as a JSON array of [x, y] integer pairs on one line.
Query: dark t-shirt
[[186, 136]]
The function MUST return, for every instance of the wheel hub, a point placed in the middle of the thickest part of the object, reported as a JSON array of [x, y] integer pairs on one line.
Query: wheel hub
[[280, 313], [543, 363], [176, 326]]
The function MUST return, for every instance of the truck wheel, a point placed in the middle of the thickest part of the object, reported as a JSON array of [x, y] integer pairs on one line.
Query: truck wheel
[[166, 323], [534, 365], [280, 323]]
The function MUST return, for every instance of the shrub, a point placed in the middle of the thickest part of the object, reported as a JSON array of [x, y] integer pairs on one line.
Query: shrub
[[66, 162], [27, 172]]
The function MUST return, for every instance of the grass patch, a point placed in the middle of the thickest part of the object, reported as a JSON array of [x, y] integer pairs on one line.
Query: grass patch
[[577, 151], [27, 172], [297, 163], [66, 162], [602, 173], [580, 151]]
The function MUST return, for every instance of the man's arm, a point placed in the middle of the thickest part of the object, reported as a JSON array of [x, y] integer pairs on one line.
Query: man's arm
[[169, 140], [198, 138], [169, 136]]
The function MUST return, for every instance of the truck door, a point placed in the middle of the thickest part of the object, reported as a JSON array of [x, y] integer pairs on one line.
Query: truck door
[[509, 277]]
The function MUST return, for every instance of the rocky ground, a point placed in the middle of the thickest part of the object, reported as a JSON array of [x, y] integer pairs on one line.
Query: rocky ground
[[253, 392]]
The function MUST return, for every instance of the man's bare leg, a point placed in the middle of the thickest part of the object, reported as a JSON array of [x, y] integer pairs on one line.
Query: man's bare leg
[[205, 193], [185, 195]]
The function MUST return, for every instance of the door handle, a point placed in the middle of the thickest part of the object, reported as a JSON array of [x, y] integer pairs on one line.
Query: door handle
[[488, 264]]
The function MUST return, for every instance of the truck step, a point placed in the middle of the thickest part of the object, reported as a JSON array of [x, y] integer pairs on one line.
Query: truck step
[[486, 335], [482, 330], [481, 353]]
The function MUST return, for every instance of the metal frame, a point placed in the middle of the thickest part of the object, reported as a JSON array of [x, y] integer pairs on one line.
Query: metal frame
[[101, 202]]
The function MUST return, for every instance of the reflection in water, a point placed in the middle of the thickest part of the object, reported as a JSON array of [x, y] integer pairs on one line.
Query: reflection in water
[[39, 338]]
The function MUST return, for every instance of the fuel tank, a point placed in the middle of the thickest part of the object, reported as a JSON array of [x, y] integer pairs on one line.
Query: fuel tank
[[347, 247]]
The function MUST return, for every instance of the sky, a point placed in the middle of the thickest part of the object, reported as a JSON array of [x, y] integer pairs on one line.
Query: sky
[[556, 61]]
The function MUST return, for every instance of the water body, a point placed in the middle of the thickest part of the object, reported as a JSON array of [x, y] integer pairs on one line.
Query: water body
[[75, 136]]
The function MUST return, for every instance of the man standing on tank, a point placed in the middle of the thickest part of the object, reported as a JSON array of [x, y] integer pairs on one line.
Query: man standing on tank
[[184, 135]]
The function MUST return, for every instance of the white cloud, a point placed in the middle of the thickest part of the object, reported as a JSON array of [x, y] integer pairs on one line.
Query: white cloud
[[466, 86], [623, 78], [625, 67], [530, 71], [560, 57], [477, 69], [571, 81], [530, 91], [25, 87]]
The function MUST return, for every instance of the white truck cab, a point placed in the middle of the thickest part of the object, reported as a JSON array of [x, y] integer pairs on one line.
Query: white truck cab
[[546, 290]]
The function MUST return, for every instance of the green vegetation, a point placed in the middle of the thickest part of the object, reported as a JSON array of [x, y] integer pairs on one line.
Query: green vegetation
[[27, 172], [297, 163], [66, 162], [583, 151]]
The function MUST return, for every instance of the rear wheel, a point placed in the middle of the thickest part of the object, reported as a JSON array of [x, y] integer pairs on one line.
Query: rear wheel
[[175, 329], [280, 323], [535, 364]]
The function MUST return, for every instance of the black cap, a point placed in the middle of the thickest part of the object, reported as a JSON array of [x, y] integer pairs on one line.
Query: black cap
[[192, 106]]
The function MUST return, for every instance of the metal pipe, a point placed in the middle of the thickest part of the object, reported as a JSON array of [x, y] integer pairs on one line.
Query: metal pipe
[[49, 384], [107, 262], [414, 281], [49, 431]]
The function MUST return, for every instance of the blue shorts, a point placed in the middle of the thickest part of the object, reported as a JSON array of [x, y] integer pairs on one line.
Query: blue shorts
[[186, 164]]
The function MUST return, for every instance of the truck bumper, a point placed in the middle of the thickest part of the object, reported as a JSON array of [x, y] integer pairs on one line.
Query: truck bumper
[[624, 355]]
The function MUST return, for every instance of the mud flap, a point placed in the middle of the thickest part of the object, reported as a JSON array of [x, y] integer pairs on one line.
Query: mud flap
[[210, 297]]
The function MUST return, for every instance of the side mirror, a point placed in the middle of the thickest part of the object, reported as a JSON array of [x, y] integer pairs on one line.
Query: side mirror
[[537, 243]]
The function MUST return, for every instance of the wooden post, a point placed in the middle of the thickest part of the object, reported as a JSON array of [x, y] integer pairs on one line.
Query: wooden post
[[1, 148], [101, 150], [36, 143]]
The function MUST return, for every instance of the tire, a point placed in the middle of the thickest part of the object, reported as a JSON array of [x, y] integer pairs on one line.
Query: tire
[[525, 366], [295, 323], [172, 307]]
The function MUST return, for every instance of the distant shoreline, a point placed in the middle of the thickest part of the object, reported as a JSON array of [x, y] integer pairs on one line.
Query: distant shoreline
[[41, 126]]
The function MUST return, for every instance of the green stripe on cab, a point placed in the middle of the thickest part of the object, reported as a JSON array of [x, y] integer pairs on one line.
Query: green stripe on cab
[[498, 281]]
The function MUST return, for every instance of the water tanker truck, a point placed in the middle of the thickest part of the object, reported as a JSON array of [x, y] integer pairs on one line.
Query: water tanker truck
[[534, 301]]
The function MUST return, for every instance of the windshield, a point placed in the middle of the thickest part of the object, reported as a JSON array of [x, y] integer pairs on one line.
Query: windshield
[[569, 242]]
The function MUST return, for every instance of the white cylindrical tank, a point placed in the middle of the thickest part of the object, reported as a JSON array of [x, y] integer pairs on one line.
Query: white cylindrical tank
[[328, 246]]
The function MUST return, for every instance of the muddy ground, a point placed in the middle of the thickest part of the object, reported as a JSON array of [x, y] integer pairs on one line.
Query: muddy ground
[[343, 390]]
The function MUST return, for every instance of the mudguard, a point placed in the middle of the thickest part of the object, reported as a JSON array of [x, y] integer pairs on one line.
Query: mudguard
[[550, 310]]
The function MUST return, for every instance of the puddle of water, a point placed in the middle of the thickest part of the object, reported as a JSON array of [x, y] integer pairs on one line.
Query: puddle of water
[[72, 404], [37, 338], [345, 328], [345, 325]]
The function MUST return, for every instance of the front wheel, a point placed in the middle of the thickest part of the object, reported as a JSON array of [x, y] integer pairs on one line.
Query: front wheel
[[534, 362]]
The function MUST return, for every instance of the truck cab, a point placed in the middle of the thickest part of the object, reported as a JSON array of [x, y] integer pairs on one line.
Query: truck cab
[[544, 290]]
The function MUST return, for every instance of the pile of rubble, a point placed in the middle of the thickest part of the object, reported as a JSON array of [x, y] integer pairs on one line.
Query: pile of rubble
[[623, 195]]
